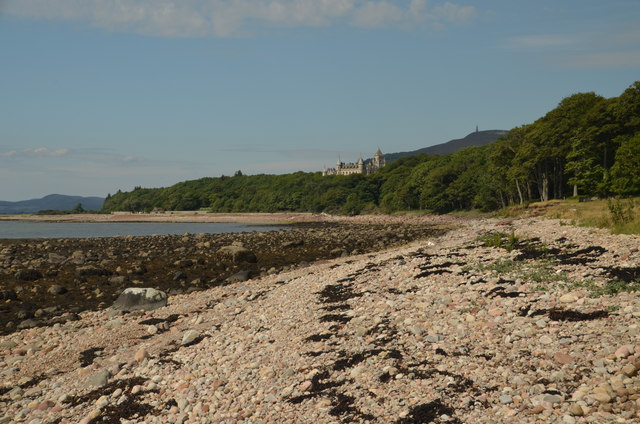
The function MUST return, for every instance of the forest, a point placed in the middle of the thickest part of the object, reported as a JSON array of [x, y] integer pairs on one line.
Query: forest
[[588, 146]]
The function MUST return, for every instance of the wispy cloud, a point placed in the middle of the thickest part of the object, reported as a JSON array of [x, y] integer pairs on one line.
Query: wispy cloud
[[592, 50], [599, 60], [39, 152], [542, 41], [227, 18]]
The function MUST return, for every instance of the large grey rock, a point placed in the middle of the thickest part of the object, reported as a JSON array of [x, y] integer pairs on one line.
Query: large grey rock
[[134, 298], [239, 277], [99, 379], [238, 253]]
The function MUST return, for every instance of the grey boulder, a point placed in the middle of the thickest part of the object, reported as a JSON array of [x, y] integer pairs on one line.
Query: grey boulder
[[135, 298], [238, 254]]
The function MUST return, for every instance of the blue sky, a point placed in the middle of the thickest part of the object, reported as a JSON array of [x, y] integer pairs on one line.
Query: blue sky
[[101, 95]]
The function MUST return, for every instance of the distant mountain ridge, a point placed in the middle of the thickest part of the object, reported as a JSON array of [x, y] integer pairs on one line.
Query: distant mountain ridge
[[52, 202], [478, 138]]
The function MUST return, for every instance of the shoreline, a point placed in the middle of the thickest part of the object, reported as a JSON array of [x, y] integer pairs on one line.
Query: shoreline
[[179, 216], [437, 329], [254, 218]]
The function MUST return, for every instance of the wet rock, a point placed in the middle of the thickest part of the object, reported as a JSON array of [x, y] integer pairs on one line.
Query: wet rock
[[238, 254], [28, 274], [117, 279], [239, 277], [134, 298], [28, 323], [8, 295], [56, 259], [56, 290], [89, 270]]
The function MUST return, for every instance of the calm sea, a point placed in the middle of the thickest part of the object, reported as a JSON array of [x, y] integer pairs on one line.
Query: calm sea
[[30, 229]]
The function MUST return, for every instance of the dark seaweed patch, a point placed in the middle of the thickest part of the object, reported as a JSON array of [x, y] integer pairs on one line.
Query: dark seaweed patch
[[436, 269], [154, 321], [92, 396], [87, 356], [125, 410], [499, 291], [331, 308], [318, 337], [628, 275], [335, 318], [343, 405], [558, 314], [581, 256], [428, 413], [318, 386], [337, 293]]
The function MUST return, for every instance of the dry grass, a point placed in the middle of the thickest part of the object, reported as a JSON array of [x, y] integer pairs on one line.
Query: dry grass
[[621, 216]]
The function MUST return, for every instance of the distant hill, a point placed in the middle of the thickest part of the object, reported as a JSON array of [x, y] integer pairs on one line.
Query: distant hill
[[478, 138], [51, 202]]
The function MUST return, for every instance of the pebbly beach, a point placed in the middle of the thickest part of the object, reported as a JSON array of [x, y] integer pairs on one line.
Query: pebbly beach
[[443, 320]]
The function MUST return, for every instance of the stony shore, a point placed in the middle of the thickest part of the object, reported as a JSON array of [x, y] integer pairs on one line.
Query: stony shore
[[451, 328]]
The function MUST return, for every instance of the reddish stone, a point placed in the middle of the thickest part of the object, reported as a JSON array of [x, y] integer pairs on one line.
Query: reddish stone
[[563, 358], [44, 405]]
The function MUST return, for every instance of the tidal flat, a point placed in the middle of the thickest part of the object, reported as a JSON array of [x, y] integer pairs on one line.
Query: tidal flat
[[48, 281]]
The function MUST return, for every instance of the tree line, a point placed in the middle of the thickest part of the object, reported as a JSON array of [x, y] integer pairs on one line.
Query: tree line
[[587, 146]]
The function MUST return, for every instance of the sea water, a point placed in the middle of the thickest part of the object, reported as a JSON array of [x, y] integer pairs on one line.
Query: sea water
[[38, 229]]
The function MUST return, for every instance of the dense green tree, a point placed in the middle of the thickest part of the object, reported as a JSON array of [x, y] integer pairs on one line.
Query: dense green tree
[[625, 172], [586, 145]]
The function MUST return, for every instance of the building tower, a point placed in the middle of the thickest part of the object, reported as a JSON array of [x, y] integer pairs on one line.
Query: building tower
[[378, 160]]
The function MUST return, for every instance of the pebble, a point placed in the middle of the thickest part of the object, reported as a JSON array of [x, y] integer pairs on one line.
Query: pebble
[[141, 355], [189, 336]]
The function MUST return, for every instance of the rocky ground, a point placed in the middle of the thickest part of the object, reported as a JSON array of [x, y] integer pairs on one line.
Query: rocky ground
[[496, 321], [48, 281]]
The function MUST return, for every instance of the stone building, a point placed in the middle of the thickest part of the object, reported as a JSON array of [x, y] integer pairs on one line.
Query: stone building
[[359, 167]]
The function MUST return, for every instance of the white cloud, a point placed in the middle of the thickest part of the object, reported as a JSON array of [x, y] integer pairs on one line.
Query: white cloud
[[377, 15], [455, 14], [224, 18], [38, 152]]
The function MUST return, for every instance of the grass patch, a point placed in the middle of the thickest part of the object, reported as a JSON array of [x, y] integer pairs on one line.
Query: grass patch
[[500, 239], [621, 216]]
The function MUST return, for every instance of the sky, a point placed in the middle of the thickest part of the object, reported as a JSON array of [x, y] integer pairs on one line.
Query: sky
[[98, 96]]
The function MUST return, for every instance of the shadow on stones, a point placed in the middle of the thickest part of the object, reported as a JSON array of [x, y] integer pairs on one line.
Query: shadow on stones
[[30, 383]]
